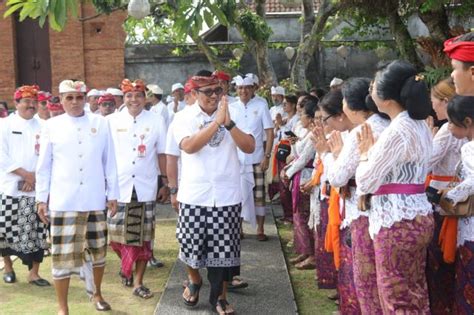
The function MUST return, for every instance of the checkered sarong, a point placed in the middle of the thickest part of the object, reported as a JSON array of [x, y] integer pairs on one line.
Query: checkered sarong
[[21, 230], [77, 237], [259, 189], [133, 224], [209, 236]]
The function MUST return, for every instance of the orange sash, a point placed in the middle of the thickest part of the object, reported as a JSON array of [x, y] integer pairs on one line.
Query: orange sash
[[332, 241], [449, 230], [448, 239], [316, 179], [438, 178]]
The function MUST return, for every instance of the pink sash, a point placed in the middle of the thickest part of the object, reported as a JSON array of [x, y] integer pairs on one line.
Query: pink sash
[[405, 189]]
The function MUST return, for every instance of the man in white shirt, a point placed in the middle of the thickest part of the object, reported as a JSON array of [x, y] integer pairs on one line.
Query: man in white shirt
[[22, 234], [139, 141], [258, 122], [118, 95], [106, 104], [177, 104], [155, 96], [43, 113], [209, 192], [92, 104], [278, 96], [224, 81], [77, 180]]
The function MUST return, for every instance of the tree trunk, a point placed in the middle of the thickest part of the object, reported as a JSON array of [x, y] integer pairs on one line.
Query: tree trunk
[[403, 40], [259, 50], [308, 16], [310, 43], [436, 20]]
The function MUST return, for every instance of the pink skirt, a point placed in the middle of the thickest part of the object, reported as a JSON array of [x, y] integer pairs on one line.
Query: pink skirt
[[400, 261]]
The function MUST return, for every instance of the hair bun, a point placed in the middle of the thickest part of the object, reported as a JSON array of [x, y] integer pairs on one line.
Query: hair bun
[[415, 96]]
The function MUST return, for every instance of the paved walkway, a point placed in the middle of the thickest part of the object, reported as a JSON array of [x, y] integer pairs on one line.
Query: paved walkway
[[263, 267]]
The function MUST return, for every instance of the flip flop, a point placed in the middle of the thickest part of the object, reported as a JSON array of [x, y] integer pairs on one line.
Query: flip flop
[[40, 282], [193, 292], [223, 304], [241, 284]]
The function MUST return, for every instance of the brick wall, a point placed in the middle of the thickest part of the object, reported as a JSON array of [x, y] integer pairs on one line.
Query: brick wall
[[92, 50], [7, 58], [104, 43]]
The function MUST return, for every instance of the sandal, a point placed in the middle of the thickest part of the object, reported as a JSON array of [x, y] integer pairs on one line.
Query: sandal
[[262, 237], [236, 284], [143, 292], [128, 282], [193, 293], [221, 308]]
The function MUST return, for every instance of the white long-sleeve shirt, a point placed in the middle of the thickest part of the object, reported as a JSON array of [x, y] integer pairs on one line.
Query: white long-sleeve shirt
[[344, 167], [462, 191], [18, 138], [400, 156], [137, 171], [445, 156], [76, 166]]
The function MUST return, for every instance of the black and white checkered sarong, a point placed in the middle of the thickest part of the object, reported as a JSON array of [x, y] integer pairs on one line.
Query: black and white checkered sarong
[[209, 236], [21, 230]]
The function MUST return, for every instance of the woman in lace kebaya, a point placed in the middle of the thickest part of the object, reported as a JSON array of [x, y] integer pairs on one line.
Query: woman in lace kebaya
[[444, 158], [300, 170], [461, 125], [357, 256], [393, 170]]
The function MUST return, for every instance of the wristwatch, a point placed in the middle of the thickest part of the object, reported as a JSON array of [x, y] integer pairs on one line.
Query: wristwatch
[[230, 125], [173, 190], [268, 155]]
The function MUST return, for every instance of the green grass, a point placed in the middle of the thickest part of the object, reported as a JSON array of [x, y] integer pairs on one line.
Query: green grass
[[309, 299], [23, 298]]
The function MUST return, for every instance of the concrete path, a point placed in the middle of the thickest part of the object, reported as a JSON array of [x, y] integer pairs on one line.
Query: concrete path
[[263, 267]]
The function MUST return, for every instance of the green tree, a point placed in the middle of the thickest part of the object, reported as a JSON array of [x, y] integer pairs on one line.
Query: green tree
[[184, 18]]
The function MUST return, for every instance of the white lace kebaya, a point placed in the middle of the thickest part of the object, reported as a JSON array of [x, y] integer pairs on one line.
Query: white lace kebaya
[[400, 156], [445, 155], [344, 167], [462, 191]]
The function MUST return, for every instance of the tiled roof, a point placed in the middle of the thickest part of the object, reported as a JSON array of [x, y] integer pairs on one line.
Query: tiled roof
[[279, 6]]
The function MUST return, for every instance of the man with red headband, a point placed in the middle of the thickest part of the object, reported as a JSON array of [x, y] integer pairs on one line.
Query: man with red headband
[[106, 104], [209, 191], [461, 51], [55, 107], [43, 112], [139, 141], [76, 182], [224, 81], [21, 232]]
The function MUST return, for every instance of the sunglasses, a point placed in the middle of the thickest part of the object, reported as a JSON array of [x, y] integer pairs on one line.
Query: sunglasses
[[218, 91], [107, 104]]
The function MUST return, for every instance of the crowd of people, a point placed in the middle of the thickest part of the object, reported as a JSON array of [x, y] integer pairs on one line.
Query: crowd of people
[[375, 176]]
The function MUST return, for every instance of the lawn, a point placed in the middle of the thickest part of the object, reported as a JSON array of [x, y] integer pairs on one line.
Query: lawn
[[309, 299], [23, 298]]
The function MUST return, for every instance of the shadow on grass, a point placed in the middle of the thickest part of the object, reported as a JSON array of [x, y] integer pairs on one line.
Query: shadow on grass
[[309, 299], [24, 298]]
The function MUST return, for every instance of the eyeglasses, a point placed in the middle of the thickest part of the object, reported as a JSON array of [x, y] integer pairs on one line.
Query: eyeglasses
[[107, 104], [324, 119], [77, 98], [218, 91]]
